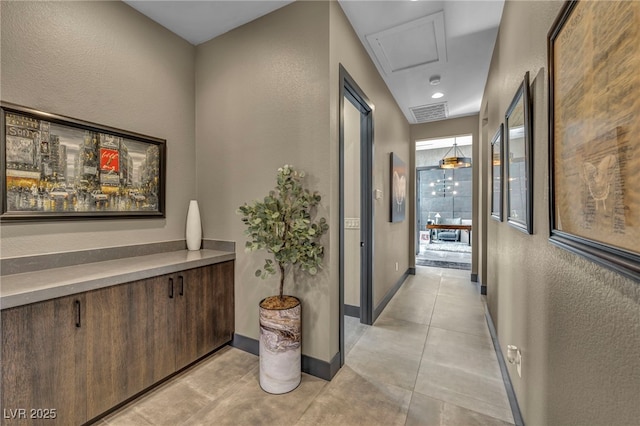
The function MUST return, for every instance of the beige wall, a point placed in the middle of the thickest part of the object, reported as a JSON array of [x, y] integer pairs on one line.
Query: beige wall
[[391, 134], [446, 128], [268, 94], [106, 63], [578, 324], [263, 101]]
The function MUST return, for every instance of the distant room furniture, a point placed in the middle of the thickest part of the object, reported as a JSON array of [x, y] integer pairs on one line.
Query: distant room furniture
[[432, 232], [450, 234], [449, 229]]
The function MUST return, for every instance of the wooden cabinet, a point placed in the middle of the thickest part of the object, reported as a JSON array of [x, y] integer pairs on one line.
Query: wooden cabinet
[[162, 326], [118, 344], [43, 363], [204, 311], [82, 355], [188, 314], [223, 305]]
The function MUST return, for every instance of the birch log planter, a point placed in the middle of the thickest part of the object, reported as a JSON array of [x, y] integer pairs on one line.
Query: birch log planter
[[280, 351]]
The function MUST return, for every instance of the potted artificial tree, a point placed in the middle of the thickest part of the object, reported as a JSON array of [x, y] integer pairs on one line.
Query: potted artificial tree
[[282, 224]]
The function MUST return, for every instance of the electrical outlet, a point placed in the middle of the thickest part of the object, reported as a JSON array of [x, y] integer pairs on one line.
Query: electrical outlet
[[397, 266], [519, 363]]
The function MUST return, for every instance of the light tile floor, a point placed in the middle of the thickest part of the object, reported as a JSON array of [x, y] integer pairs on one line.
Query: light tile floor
[[428, 360]]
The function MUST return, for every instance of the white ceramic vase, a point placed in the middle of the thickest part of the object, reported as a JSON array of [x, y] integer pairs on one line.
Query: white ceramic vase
[[194, 226]]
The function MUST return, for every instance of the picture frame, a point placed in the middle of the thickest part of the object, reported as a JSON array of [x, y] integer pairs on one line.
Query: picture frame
[[518, 159], [61, 168], [497, 167], [594, 150], [398, 185]]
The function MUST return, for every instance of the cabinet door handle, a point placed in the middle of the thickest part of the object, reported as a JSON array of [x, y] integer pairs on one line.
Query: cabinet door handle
[[78, 315], [170, 288], [181, 278]]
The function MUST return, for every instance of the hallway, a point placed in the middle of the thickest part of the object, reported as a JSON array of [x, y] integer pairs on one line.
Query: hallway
[[428, 360]]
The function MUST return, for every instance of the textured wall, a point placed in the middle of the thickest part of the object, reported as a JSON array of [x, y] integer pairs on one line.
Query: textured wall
[[577, 323], [263, 101], [446, 128], [249, 123], [391, 134], [106, 63]]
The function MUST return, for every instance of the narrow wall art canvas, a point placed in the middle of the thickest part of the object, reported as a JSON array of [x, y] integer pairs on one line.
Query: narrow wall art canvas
[[398, 189]]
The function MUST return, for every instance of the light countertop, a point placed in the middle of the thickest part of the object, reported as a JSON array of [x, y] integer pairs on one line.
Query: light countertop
[[31, 287]]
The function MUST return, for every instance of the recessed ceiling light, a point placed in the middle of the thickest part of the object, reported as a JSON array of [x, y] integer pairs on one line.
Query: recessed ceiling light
[[434, 80], [437, 95]]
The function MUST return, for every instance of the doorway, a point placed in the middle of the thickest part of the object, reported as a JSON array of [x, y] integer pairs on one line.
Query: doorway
[[356, 205], [443, 204]]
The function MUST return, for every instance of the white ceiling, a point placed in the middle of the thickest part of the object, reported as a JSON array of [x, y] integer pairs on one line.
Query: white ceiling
[[408, 41], [201, 20]]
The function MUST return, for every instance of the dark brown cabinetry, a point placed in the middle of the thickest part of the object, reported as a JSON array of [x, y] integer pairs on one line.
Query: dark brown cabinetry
[[43, 363], [205, 311], [84, 354], [119, 343]]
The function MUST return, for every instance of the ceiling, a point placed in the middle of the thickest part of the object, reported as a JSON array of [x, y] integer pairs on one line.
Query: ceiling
[[410, 42]]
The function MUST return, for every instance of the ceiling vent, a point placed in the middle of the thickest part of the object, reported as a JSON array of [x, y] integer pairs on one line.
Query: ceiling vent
[[410, 45], [433, 112]]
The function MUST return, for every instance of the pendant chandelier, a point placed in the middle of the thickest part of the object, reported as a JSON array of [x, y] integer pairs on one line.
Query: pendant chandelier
[[455, 161]]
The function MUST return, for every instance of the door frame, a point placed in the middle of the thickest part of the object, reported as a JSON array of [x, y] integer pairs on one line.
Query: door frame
[[350, 89], [419, 204]]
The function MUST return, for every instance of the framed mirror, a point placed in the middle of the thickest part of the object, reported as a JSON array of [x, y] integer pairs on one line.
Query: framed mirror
[[518, 159], [496, 174]]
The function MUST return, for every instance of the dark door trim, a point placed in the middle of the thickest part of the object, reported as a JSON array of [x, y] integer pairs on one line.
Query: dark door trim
[[349, 89], [420, 226]]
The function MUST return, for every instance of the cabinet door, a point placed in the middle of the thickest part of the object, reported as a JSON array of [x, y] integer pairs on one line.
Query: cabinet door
[[43, 363], [223, 297], [205, 311], [118, 363], [161, 325], [190, 316]]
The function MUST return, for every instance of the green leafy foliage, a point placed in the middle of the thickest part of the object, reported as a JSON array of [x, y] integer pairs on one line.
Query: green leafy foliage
[[282, 224]]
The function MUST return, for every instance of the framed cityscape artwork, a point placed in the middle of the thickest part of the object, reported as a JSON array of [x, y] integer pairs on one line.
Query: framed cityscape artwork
[[594, 148], [497, 165], [518, 159], [57, 168], [398, 205]]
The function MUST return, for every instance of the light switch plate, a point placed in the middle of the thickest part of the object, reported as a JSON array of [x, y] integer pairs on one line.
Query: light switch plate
[[351, 223]]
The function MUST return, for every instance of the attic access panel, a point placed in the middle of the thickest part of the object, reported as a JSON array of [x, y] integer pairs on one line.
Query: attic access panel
[[414, 44]]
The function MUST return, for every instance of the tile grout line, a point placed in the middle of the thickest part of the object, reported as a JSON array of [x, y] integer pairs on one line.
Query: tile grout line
[[313, 400], [413, 390], [215, 401], [468, 409], [423, 351]]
